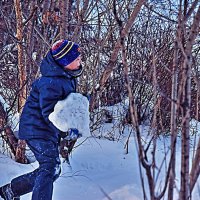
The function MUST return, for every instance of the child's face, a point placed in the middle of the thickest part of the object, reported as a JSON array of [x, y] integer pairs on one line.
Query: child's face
[[74, 65]]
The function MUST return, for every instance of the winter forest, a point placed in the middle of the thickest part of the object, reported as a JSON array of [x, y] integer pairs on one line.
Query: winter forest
[[141, 62]]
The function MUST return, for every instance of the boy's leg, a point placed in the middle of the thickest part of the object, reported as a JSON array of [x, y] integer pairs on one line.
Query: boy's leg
[[41, 180], [7, 193], [24, 184], [46, 153]]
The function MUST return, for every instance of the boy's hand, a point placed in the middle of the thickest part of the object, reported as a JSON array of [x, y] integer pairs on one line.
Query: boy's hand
[[68, 141], [72, 134], [66, 147]]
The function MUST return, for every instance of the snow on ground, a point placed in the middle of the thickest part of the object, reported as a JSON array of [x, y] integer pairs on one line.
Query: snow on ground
[[98, 168], [100, 165]]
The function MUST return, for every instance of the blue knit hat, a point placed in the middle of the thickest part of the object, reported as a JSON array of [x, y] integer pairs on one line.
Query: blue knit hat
[[65, 52]]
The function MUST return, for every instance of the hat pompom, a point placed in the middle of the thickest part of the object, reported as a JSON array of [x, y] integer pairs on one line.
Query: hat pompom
[[56, 45]]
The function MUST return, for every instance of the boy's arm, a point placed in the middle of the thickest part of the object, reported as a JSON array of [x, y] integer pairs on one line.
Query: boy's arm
[[49, 96]]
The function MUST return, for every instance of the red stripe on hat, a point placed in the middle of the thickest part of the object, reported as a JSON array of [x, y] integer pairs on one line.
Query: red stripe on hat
[[57, 44]]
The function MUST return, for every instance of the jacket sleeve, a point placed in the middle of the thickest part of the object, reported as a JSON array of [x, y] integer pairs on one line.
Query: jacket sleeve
[[49, 95]]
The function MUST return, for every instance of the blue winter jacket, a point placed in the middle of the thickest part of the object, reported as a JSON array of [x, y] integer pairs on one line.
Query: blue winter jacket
[[55, 84]]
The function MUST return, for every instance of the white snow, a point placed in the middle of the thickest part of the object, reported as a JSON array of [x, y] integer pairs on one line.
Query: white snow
[[100, 169], [97, 167], [5, 105], [119, 110], [72, 112]]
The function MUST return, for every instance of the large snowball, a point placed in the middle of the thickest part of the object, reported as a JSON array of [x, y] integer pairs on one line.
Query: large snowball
[[72, 112]]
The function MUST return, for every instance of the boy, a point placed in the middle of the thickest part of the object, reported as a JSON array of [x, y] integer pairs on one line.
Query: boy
[[59, 69]]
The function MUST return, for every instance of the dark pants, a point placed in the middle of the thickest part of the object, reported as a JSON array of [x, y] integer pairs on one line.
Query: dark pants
[[40, 181]]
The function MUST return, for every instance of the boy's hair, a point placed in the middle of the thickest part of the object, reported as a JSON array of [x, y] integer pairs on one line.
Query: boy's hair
[[65, 52]]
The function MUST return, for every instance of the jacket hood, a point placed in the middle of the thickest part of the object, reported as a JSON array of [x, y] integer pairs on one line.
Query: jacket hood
[[49, 67]]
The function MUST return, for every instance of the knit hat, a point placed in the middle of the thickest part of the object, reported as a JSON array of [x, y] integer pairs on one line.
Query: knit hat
[[65, 52]]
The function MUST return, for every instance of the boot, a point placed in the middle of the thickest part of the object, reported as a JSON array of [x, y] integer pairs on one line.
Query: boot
[[7, 194]]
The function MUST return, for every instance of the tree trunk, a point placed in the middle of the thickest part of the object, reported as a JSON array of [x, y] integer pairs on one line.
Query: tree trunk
[[185, 142], [7, 135], [173, 123], [186, 104], [195, 171], [20, 152], [64, 24], [21, 67]]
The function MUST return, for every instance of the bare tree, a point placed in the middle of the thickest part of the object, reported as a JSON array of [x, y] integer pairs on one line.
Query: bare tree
[[115, 52], [64, 28], [20, 152], [186, 105], [131, 49]]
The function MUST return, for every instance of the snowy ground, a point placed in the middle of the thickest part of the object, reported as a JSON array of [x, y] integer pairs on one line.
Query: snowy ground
[[98, 168]]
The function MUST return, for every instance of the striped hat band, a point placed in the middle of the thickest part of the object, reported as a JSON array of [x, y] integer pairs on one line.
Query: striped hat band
[[64, 51]]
